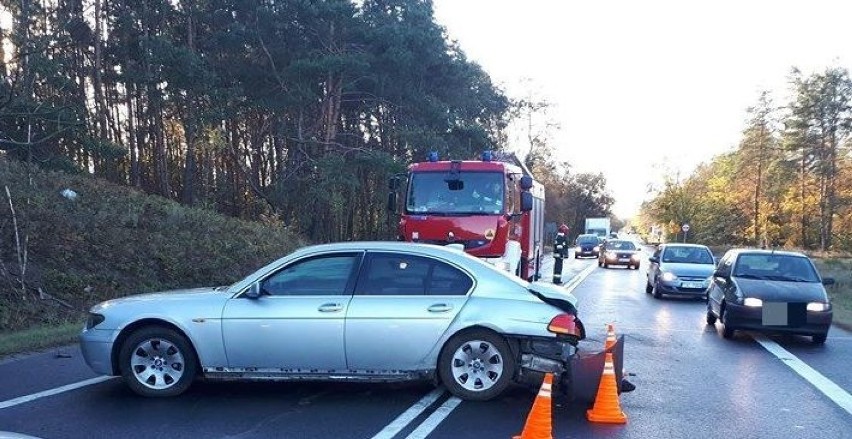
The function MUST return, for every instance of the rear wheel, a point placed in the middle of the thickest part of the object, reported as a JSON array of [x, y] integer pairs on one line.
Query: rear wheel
[[476, 365], [157, 361], [819, 339]]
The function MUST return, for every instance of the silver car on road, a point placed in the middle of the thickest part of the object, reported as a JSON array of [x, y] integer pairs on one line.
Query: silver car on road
[[364, 311]]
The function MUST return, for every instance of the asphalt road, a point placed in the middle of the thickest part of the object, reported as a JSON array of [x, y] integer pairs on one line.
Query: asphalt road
[[691, 383]]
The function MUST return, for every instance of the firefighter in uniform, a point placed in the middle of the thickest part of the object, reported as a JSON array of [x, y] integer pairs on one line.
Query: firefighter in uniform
[[560, 252]]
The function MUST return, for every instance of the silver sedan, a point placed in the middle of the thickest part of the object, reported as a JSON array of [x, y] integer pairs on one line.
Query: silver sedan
[[363, 311]]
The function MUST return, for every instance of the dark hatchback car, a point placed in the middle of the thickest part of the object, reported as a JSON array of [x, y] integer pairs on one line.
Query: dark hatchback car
[[619, 252], [587, 246], [769, 291]]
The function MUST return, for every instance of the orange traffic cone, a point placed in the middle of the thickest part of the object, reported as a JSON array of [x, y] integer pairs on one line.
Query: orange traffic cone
[[610, 338], [538, 424], [607, 409]]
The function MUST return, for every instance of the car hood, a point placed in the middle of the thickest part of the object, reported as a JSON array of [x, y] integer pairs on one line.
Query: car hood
[[688, 270], [779, 291], [187, 295]]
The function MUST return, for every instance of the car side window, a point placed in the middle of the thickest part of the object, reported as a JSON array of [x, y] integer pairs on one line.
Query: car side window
[[317, 276], [389, 274]]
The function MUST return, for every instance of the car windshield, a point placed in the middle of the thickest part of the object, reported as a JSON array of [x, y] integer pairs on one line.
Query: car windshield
[[688, 255], [785, 268], [588, 239], [465, 193], [620, 245]]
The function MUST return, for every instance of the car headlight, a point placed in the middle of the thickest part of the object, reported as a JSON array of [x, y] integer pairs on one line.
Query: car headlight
[[753, 302], [634, 256], [818, 306], [597, 248], [668, 277], [94, 320], [609, 254]]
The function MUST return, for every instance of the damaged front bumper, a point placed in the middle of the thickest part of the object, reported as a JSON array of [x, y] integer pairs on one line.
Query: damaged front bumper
[[577, 373]]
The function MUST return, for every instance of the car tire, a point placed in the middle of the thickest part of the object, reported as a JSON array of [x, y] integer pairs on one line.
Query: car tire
[[173, 372], [727, 330], [819, 338], [711, 318], [636, 267], [479, 345]]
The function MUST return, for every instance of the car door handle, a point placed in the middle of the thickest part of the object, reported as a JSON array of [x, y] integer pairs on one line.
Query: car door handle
[[440, 307], [331, 307]]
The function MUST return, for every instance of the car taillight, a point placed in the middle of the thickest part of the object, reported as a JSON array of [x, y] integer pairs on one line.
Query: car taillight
[[563, 324]]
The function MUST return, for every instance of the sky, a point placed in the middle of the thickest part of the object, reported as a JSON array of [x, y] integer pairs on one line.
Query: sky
[[644, 88]]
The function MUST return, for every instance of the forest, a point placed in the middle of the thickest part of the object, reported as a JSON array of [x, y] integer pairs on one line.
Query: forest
[[787, 184], [290, 112]]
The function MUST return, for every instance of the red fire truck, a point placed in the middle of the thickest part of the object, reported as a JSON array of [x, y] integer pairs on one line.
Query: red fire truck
[[493, 207]]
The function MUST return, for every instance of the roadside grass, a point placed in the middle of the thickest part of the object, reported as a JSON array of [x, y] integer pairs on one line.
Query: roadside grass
[[40, 337], [841, 292], [110, 241]]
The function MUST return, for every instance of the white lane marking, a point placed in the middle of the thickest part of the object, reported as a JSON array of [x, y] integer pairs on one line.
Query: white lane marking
[[823, 384], [435, 419], [579, 278], [55, 391], [407, 416]]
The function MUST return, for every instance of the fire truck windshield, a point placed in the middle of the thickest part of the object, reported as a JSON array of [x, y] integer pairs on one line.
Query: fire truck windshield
[[471, 193]]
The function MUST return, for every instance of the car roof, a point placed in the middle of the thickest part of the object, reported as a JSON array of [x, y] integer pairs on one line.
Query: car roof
[[681, 244], [395, 246], [758, 251]]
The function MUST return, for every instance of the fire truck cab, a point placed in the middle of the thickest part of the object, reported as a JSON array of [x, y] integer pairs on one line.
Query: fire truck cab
[[494, 209]]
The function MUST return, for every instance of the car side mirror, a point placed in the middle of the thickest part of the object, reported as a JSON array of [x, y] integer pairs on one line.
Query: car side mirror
[[254, 291], [828, 281], [654, 259], [526, 201]]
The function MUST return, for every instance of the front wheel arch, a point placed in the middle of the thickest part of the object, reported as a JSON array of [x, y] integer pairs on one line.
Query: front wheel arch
[[513, 357], [137, 325]]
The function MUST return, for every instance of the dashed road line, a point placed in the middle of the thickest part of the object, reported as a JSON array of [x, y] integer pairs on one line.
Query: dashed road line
[[818, 380], [435, 419], [62, 389], [409, 415]]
